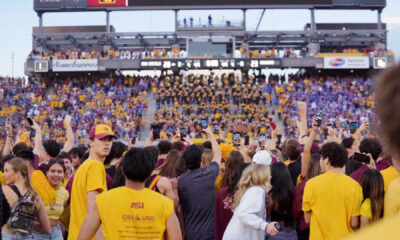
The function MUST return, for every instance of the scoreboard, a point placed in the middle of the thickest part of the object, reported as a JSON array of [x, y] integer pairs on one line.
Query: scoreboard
[[178, 64], [126, 5], [227, 2]]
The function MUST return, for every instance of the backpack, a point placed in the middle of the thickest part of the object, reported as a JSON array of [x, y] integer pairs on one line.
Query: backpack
[[23, 213]]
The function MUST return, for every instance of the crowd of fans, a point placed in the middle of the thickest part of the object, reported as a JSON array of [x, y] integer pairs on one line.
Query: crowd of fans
[[342, 99], [110, 54], [183, 101], [193, 180], [172, 53], [118, 102]]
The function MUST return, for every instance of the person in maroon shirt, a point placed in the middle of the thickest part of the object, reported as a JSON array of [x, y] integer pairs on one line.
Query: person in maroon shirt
[[223, 211], [371, 146]]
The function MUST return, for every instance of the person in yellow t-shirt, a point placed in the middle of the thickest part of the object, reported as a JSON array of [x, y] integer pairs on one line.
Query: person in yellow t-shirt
[[332, 200], [55, 174], [389, 175], [386, 86], [90, 178], [387, 229], [392, 199], [138, 212], [372, 207]]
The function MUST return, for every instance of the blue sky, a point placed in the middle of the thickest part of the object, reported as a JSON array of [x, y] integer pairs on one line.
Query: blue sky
[[17, 19]]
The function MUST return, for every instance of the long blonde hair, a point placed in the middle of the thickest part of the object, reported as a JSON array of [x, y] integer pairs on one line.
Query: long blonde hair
[[206, 157], [253, 175]]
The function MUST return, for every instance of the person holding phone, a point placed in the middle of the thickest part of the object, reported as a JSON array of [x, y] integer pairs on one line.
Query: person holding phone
[[196, 190]]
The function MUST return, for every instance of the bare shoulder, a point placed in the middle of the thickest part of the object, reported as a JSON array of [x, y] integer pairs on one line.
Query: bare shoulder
[[163, 183]]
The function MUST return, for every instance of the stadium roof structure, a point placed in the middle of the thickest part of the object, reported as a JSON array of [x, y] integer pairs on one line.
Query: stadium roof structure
[[42, 6], [314, 38]]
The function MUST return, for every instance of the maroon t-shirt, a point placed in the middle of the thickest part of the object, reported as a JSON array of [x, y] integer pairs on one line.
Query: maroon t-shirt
[[222, 212], [297, 204], [381, 165], [160, 162]]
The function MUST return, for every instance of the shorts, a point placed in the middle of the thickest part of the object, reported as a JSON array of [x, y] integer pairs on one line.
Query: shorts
[[55, 234], [8, 236]]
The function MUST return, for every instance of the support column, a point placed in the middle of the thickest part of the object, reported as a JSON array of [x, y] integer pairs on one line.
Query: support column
[[176, 20], [313, 25], [233, 46], [108, 21], [187, 47], [379, 19], [244, 18], [40, 15]]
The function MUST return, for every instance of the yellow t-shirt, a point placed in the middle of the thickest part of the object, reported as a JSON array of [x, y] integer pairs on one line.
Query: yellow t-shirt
[[2, 180], [389, 174], [392, 198], [140, 214], [90, 176], [366, 209], [387, 229], [55, 209], [332, 198]]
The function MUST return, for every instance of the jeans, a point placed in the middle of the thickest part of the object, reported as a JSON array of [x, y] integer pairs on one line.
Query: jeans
[[286, 234], [7, 236], [55, 234]]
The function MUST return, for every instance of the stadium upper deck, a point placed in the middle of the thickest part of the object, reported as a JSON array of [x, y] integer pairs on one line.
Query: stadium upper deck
[[332, 46]]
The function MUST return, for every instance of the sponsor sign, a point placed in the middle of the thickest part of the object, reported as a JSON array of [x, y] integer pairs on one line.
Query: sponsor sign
[[106, 3], [75, 65], [346, 62]]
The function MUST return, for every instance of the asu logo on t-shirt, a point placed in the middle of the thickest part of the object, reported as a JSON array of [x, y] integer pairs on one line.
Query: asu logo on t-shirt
[[137, 205]]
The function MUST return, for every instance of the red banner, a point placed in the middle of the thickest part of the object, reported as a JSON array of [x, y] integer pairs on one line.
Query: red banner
[[106, 3]]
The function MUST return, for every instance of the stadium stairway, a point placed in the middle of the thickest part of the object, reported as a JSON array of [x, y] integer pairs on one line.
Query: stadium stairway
[[148, 117]]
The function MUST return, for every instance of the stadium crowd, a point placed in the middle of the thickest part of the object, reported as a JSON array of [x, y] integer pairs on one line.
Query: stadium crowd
[[118, 102], [155, 53], [192, 180]]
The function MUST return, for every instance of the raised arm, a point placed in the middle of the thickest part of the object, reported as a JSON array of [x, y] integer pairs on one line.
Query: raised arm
[[357, 135], [215, 146], [307, 149], [302, 121], [69, 144], [8, 145], [38, 149]]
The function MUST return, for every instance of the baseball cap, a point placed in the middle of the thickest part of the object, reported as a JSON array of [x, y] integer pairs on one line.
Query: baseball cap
[[314, 148], [101, 131], [262, 157]]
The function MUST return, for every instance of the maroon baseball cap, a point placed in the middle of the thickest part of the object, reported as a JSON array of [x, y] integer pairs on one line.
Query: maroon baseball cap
[[101, 131], [314, 148]]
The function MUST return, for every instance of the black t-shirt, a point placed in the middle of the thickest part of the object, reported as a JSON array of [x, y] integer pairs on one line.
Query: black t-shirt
[[196, 191], [352, 166], [111, 171], [295, 170]]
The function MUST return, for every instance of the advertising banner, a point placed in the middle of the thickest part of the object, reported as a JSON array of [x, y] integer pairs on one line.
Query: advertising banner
[[106, 3], [75, 65], [346, 62]]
